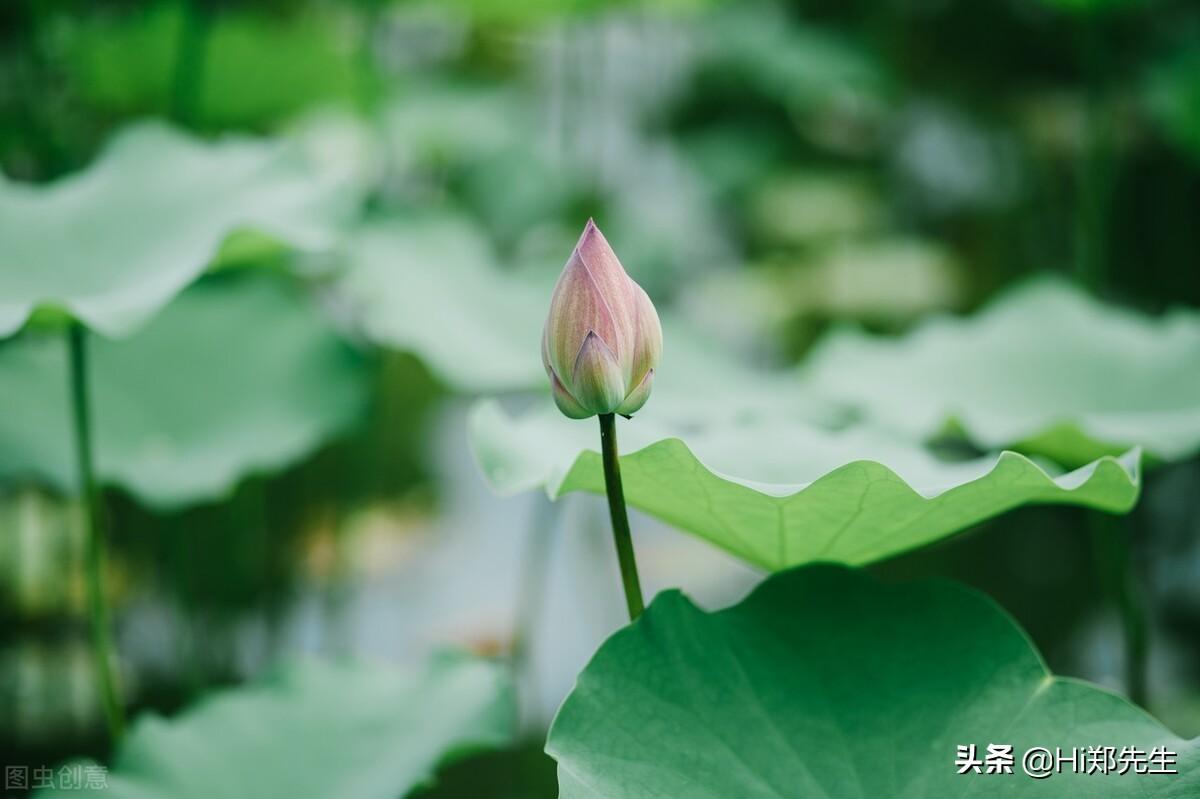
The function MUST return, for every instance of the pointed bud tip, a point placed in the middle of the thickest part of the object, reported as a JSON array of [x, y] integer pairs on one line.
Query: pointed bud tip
[[590, 232]]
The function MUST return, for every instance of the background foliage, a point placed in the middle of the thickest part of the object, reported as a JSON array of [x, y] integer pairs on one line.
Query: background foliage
[[308, 235]]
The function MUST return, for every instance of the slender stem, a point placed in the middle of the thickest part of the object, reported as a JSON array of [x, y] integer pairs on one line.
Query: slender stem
[[620, 519], [98, 614], [184, 558], [338, 591], [1111, 544], [187, 82], [1111, 540], [1095, 167]]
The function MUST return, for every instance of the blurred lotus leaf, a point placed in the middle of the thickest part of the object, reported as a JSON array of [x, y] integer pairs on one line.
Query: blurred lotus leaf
[[663, 220], [506, 12], [1044, 369], [250, 67], [41, 534], [885, 280], [947, 162], [803, 68], [1084, 7], [1173, 98], [824, 682], [736, 158], [448, 123], [484, 141], [801, 209], [882, 279], [521, 196], [433, 287], [315, 730], [700, 384], [238, 375], [114, 243], [779, 493]]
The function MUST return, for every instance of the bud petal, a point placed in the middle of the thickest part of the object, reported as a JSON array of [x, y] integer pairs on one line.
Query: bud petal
[[596, 379], [648, 337], [577, 308], [546, 354], [618, 291], [637, 398], [565, 402], [602, 336]]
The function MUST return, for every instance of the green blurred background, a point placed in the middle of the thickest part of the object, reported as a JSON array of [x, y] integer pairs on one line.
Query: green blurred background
[[766, 170]]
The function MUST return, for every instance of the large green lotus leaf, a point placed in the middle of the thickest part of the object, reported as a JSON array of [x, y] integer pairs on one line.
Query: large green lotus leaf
[[316, 730], [114, 243], [238, 375], [826, 683], [777, 492], [1044, 369]]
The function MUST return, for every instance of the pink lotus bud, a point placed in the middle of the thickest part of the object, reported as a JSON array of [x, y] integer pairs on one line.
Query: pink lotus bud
[[602, 339]]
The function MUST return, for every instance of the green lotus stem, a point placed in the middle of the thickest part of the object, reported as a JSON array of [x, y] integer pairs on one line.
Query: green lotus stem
[[600, 346], [1114, 566], [98, 613], [1094, 170], [620, 519], [183, 572], [191, 51]]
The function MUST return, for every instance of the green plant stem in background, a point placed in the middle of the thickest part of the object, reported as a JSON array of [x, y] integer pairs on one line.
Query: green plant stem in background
[[1110, 539], [620, 519], [183, 570], [98, 615], [339, 589], [187, 82], [1095, 167], [1111, 545]]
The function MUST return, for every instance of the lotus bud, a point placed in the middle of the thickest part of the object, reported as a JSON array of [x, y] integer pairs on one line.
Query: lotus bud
[[602, 339]]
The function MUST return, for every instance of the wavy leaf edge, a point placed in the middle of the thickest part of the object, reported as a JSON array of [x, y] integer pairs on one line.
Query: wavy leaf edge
[[108, 311], [1129, 463]]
